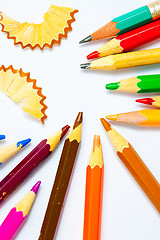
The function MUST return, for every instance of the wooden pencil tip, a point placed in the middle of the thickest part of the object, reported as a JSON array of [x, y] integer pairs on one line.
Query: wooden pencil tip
[[78, 120], [112, 117], [96, 142], [106, 124]]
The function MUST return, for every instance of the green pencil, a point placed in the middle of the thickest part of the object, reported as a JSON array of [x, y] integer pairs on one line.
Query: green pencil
[[139, 84]]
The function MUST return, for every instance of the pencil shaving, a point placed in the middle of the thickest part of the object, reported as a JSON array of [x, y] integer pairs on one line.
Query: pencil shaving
[[56, 24], [22, 89]]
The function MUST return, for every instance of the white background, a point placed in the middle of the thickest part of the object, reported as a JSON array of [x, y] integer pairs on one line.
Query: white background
[[127, 212]]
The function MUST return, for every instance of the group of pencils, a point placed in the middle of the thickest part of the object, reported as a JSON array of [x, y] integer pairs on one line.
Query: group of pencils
[[131, 30], [128, 31], [94, 181], [20, 211]]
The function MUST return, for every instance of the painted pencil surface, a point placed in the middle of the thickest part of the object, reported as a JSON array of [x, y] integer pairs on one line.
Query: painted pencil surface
[[145, 117], [125, 60], [61, 182], [139, 84], [17, 216], [134, 164], [94, 193], [154, 101], [2, 137], [129, 40], [127, 22], [39, 153], [8, 151]]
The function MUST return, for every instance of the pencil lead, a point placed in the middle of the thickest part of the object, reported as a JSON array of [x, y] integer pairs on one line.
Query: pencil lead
[[78, 120], [148, 101], [23, 143], [112, 117], [113, 86], [35, 188], [87, 39], [105, 124], [2, 137], [93, 55], [64, 131], [85, 65], [96, 142]]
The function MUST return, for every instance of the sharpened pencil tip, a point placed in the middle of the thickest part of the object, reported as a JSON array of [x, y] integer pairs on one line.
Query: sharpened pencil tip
[[112, 86], [2, 137], [64, 131], [106, 124], [23, 143], [93, 55], [85, 65], [96, 142], [147, 101], [112, 117], [35, 188], [87, 39], [78, 120]]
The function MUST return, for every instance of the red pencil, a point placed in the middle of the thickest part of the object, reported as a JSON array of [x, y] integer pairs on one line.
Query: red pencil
[[129, 40]]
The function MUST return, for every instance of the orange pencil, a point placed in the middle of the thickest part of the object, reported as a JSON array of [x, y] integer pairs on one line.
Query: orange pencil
[[134, 164], [94, 193]]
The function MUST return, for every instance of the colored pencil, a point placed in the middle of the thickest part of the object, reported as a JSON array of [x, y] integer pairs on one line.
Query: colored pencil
[[126, 22], [129, 40], [61, 182], [18, 215], [134, 164], [125, 60], [39, 153], [2, 137], [8, 151], [145, 117], [154, 101], [94, 193], [139, 84]]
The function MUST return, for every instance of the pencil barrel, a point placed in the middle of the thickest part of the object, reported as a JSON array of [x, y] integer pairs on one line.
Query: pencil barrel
[[127, 60], [141, 174], [93, 203], [14, 178]]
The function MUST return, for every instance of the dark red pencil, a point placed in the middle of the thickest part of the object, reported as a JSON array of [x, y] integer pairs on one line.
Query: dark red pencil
[[40, 152]]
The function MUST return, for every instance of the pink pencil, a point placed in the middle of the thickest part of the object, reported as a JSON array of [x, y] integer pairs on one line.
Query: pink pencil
[[17, 216]]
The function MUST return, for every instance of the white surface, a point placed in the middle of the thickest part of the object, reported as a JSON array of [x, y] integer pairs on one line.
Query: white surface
[[127, 212]]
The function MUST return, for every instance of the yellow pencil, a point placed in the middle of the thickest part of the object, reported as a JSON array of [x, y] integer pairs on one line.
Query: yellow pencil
[[145, 117], [125, 60]]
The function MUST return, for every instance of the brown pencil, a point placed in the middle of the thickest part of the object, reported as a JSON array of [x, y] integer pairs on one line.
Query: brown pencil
[[134, 164], [61, 181]]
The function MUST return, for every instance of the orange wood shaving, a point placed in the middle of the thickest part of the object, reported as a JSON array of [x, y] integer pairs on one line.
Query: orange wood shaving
[[45, 44], [34, 87]]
